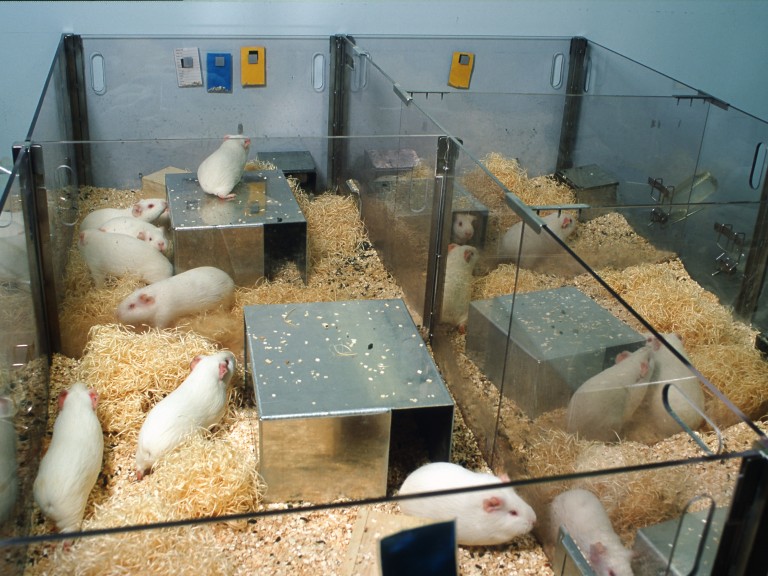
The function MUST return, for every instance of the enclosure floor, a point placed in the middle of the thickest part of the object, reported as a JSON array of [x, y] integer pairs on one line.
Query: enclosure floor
[[318, 541]]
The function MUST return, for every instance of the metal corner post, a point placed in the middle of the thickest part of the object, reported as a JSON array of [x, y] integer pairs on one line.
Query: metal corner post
[[35, 209], [756, 265], [337, 107], [574, 91], [447, 154], [742, 550], [75, 84]]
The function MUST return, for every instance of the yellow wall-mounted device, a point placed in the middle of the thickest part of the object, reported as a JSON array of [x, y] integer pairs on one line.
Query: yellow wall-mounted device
[[461, 69], [253, 66]]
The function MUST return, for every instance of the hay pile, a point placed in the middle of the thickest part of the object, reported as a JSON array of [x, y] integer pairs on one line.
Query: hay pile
[[538, 191], [343, 265], [659, 288], [719, 346], [212, 473]]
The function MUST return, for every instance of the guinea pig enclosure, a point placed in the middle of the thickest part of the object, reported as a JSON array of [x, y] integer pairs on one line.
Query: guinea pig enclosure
[[554, 274]]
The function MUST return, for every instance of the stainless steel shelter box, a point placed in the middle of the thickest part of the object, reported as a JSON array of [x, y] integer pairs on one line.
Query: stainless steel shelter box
[[333, 381], [248, 237], [690, 533], [592, 185], [539, 347]]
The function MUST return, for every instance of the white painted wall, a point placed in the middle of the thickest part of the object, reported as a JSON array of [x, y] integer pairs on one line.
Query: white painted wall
[[719, 46]]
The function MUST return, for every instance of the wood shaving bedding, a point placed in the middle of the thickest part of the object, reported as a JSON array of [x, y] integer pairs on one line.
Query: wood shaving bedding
[[299, 542]]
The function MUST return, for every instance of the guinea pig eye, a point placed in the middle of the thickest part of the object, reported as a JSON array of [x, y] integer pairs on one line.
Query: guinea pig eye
[[131, 306], [513, 512]]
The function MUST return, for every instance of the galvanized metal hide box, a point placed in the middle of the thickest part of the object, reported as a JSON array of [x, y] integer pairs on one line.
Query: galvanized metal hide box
[[249, 237], [333, 382], [558, 339], [392, 176], [592, 185]]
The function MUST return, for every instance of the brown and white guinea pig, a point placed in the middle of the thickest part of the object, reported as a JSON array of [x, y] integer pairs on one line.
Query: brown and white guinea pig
[[457, 289], [463, 228], [220, 172], [602, 405], [200, 401], [137, 228], [582, 515], [685, 397], [536, 247], [483, 517], [148, 209], [118, 255], [161, 303], [71, 466]]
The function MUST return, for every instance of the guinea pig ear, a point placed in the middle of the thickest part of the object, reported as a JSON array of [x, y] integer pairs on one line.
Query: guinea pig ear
[[621, 356], [62, 397], [142, 235], [146, 299], [492, 504], [504, 477], [137, 210], [195, 361], [223, 369], [451, 247], [94, 397], [597, 553]]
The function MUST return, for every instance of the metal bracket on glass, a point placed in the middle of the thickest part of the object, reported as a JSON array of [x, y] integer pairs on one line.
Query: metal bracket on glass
[[683, 425], [560, 208], [706, 525], [578, 565], [731, 244], [67, 204], [661, 195], [402, 94]]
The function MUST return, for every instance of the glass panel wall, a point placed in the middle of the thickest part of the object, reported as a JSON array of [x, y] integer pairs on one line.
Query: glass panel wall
[[543, 358], [23, 369]]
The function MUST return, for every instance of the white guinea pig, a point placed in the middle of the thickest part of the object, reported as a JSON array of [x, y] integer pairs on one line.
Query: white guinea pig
[[463, 228], [670, 369], [483, 517], [220, 172], [603, 404], [137, 228], [457, 289], [200, 401], [190, 292], [148, 209], [119, 255], [71, 466], [536, 246], [584, 518]]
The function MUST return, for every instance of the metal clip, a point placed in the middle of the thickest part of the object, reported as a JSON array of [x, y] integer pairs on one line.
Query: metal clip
[[67, 202], [731, 254], [665, 195]]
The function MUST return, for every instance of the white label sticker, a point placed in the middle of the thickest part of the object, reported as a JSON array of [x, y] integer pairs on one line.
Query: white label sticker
[[188, 70]]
